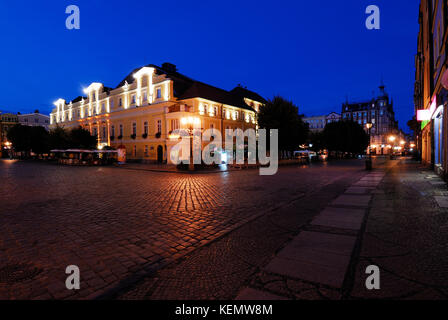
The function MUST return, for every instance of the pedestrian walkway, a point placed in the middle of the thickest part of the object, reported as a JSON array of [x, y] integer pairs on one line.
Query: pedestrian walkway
[[396, 219], [322, 255]]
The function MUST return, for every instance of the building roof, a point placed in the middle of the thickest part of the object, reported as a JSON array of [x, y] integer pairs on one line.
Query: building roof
[[187, 88]]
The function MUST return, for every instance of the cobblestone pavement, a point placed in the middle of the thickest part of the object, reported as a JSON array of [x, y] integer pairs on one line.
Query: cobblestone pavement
[[120, 226], [403, 232], [219, 270]]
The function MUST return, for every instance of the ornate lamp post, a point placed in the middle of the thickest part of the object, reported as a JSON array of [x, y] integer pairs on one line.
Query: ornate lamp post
[[392, 141], [369, 159], [191, 123]]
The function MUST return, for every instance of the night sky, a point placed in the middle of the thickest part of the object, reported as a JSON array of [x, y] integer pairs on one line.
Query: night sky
[[313, 52]]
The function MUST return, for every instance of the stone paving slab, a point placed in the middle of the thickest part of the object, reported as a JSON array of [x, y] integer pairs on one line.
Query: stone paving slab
[[257, 295], [340, 218], [316, 257], [352, 200], [442, 201], [359, 190], [366, 184]]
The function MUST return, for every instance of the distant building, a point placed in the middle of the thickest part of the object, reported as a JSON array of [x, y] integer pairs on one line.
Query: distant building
[[379, 112], [318, 123], [35, 119], [7, 120]]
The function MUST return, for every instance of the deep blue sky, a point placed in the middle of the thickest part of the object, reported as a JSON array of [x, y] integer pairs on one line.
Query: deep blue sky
[[313, 52]]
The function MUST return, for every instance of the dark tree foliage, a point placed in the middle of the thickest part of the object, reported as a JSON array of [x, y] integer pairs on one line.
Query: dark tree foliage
[[316, 139], [27, 139], [345, 136], [36, 139], [59, 138], [283, 115], [81, 138]]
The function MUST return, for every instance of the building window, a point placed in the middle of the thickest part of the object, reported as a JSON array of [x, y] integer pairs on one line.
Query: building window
[[104, 132], [159, 126], [135, 151], [159, 93], [112, 131], [174, 124], [145, 127], [95, 131], [146, 151], [133, 99], [120, 102], [134, 128], [111, 104], [121, 130], [145, 96]]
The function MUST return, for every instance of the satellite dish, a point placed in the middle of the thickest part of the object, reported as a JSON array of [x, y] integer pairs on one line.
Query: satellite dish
[[445, 79]]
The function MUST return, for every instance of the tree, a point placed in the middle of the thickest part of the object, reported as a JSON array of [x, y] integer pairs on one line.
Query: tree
[[20, 138], [28, 139], [316, 139], [81, 138], [345, 136], [283, 115], [59, 138]]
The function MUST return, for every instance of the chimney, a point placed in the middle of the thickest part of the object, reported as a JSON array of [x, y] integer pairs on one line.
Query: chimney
[[169, 67]]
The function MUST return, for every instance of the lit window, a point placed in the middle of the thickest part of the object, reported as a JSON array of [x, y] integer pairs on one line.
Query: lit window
[[145, 96], [134, 128], [174, 124], [159, 93], [120, 102], [159, 126], [133, 99]]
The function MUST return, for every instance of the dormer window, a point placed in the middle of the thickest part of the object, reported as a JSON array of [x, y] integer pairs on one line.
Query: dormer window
[[159, 93]]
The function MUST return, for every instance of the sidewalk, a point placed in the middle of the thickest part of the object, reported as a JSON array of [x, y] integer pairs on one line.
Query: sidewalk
[[394, 217]]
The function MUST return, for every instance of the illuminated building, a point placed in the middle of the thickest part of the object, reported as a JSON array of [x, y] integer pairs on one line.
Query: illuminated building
[[318, 123], [431, 84], [35, 119], [379, 112], [147, 106]]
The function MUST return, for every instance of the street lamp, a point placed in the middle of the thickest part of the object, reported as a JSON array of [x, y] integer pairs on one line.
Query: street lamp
[[369, 126], [191, 123], [392, 140]]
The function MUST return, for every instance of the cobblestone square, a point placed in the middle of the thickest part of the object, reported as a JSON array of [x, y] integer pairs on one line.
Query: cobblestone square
[[119, 225]]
